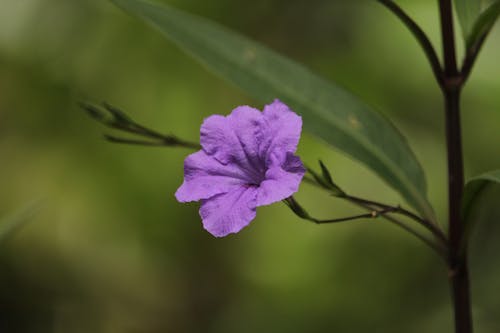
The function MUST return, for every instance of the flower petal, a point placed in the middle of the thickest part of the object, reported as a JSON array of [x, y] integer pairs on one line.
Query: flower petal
[[281, 130], [281, 181], [228, 213], [232, 138], [205, 177]]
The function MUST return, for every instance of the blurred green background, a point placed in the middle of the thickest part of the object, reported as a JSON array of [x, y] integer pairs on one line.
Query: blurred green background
[[110, 249]]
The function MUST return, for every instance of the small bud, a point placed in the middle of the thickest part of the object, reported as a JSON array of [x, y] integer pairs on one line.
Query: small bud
[[296, 208], [118, 115], [328, 181], [93, 112]]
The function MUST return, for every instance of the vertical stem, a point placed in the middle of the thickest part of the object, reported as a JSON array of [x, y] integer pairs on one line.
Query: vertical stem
[[448, 37], [459, 279], [457, 261], [455, 167]]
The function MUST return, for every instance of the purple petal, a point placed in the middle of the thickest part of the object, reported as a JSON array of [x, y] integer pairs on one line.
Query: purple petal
[[232, 138], [281, 132], [228, 213], [205, 177], [281, 181]]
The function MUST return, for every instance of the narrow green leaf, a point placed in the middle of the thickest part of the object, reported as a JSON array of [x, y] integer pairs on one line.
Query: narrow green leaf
[[473, 191], [328, 111], [329, 181], [326, 173], [467, 11], [483, 24], [319, 179], [297, 208], [13, 222]]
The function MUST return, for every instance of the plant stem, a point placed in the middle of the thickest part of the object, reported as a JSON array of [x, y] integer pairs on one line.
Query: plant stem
[[459, 280], [457, 261], [419, 35], [370, 204], [455, 168], [440, 247], [451, 87], [448, 38], [116, 119], [434, 228]]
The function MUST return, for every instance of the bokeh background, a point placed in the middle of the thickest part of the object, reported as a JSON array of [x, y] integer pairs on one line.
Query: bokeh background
[[110, 250]]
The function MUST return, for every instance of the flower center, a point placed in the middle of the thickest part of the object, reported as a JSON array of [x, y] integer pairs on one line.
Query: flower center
[[257, 177], [255, 172]]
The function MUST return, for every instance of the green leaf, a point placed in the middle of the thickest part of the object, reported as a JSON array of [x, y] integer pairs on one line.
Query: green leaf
[[328, 111], [13, 222], [483, 24], [327, 177], [467, 11], [326, 174], [475, 186], [474, 189]]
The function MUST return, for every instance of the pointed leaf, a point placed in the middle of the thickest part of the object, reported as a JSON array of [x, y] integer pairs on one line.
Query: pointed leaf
[[483, 24], [475, 186], [329, 112], [467, 12], [329, 181], [318, 178], [472, 193], [326, 173], [297, 208]]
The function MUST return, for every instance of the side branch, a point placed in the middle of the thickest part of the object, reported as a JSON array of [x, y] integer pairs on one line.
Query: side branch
[[404, 212], [116, 119], [373, 213], [301, 212], [370, 204], [440, 246], [420, 36]]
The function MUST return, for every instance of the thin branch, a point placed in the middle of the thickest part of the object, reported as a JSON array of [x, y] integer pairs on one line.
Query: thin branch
[[373, 213], [300, 212], [399, 210], [116, 119], [420, 36], [165, 142], [370, 204], [440, 248]]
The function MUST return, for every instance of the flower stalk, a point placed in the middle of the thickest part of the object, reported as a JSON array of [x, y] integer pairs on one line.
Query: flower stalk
[[438, 244], [116, 119], [293, 204]]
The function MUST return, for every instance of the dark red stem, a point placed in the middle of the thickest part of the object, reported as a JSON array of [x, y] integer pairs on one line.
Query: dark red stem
[[457, 260]]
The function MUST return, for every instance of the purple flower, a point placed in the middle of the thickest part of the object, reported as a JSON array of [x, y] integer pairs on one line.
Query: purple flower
[[247, 160]]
